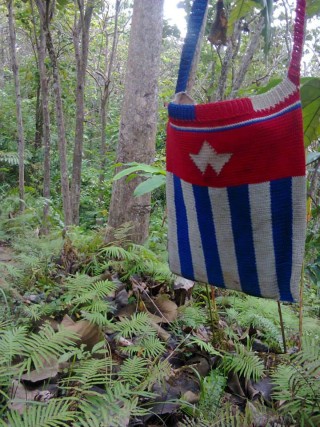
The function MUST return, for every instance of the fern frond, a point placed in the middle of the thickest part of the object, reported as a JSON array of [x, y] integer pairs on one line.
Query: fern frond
[[10, 158], [204, 346], [133, 370], [192, 316], [212, 388], [157, 373], [54, 414], [99, 319], [138, 324], [112, 409], [297, 384], [91, 372], [149, 346], [44, 345], [244, 363], [13, 343]]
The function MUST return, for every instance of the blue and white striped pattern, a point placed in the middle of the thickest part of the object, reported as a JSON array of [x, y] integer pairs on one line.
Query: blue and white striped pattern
[[247, 238]]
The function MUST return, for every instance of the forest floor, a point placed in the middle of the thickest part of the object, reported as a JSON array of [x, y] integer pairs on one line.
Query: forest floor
[[173, 355]]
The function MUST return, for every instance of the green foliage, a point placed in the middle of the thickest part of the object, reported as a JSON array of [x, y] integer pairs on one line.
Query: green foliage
[[310, 97], [244, 363], [56, 413], [137, 324], [134, 370], [156, 177], [297, 384], [212, 388], [192, 316], [240, 9]]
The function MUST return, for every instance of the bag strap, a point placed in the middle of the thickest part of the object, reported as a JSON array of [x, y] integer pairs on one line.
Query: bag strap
[[298, 39], [197, 14]]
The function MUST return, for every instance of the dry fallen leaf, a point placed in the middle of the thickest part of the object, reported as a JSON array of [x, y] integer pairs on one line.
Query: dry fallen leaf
[[49, 370], [88, 333], [164, 308]]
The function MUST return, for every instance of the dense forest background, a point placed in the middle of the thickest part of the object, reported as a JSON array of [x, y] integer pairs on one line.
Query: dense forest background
[[94, 329]]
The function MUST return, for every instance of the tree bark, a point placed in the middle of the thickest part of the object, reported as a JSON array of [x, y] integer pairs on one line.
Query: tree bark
[[15, 70], [45, 13], [106, 91], [81, 51], [139, 116], [246, 61], [46, 128]]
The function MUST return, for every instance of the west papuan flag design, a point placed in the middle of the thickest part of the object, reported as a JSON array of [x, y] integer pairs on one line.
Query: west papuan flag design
[[236, 193]]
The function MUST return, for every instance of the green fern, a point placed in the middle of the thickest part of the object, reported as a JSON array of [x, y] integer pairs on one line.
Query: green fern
[[212, 388], [43, 346], [138, 324], [54, 414], [149, 346], [192, 316], [10, 158], [157, 373], [204, 346], [133, 370], [91, 372], [297, 384], [244, 363]]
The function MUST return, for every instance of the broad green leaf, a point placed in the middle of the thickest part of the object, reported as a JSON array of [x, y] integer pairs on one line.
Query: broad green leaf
[[267, 13], [312, 157], [272, 83], [310, 97], [149, 185], [313, 8], [239, 10], [138, 168]]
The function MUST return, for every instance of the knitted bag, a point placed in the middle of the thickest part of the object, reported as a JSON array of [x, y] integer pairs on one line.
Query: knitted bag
[[236, 189]]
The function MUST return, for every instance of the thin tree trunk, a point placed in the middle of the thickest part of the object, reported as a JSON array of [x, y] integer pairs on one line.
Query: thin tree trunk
[[139, 117], [39, 119], [81, 50], [45, 12], [106, 92], [15, 70], [46, 128], [246, 61], [230, 54]]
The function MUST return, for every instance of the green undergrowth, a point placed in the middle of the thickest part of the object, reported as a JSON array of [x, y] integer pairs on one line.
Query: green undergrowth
[[95, 334]]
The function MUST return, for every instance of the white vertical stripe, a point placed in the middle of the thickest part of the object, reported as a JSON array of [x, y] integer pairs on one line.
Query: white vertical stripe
[[173, 248], [198, 261], [299, 221], [224, 236], [261, 220]]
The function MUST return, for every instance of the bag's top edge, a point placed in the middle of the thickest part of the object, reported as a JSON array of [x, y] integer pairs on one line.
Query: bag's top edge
[[281, 95]]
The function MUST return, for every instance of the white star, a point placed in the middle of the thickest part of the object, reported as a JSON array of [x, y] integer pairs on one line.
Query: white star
[[208, 156]]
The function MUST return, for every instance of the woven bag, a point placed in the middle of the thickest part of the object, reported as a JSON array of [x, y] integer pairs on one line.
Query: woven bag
[[236, 188]]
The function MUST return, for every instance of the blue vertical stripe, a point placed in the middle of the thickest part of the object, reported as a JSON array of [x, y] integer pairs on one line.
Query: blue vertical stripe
[[282, 217], [182, 231], [243, 239], [196, 18], [208, 235]]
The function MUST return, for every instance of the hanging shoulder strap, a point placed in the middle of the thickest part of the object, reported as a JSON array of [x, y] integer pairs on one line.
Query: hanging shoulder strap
[[298, 39], [196, 18], [197, 14]]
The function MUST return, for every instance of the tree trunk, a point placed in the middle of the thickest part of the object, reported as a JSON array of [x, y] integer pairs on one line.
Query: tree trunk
[[106, 92], [45, 13], [39, 119], [15, 70], [46, 127], [246, 61], [81, 50], [139, 116]]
